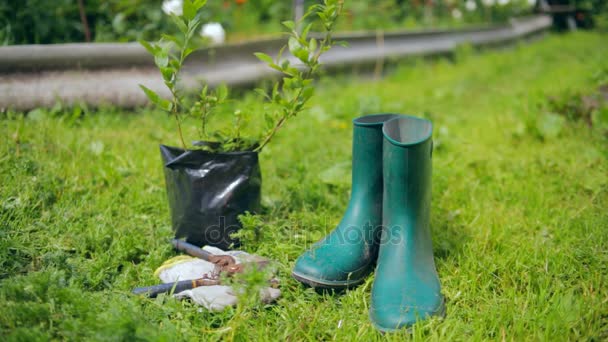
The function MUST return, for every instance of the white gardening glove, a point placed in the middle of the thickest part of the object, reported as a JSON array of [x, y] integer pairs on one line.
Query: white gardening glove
[[214, 298], [218, 297]]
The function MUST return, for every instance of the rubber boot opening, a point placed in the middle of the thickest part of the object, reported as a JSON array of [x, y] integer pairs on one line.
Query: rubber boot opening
[[407, 130], [373, 119]]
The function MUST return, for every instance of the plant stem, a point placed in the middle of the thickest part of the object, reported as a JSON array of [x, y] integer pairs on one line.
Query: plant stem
[[271, 134], [175, 111], [179, 130]]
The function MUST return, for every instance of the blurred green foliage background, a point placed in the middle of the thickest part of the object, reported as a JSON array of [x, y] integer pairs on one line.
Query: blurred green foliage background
[[59, 21]]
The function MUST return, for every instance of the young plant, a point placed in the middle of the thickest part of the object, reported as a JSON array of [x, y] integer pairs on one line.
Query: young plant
[[169, 56], [287, 99], [297, 87]]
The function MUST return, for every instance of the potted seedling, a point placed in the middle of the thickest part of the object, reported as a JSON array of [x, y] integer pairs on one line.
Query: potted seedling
[[217, 178]]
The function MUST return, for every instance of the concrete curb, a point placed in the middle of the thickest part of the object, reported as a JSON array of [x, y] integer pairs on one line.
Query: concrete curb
[[97, 74]]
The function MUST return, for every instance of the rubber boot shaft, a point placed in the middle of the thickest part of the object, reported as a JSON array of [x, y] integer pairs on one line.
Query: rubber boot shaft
[[406, 286], [347, 255]]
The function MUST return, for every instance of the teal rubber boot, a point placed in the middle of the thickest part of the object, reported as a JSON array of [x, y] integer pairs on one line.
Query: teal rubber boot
[[348, 254], [406, 286]]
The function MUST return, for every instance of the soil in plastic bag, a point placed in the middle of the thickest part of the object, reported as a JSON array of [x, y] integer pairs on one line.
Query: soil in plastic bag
[[208, 191]]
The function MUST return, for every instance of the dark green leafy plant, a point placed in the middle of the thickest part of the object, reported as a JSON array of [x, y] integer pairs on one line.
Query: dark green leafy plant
[[286, 100]]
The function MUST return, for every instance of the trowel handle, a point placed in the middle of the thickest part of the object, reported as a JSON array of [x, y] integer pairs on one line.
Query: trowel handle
[[224, 261], [191, 249], [155, 290]]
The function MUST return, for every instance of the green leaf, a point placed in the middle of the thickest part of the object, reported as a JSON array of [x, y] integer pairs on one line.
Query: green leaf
[[269, 120], [275, 92], [198, 4], [291, 71], [276, 67], [221, 92], [193, 25], [288, 83], [297, 49], [312, 45], [263, 57], [289, 24], [302, 55], [171, 38], [322, 16], [179, 22], [305, 31], [167, 73], [151, 94], [152, 49], [294, 45], [161, 59], [343, 43], [263, 93], [307, 93], [156, 99], [280, 54], [188, 51], [220, 135], [189, 10]]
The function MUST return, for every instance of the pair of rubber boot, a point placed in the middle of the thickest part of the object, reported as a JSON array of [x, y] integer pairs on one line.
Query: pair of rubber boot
[[386, 224]]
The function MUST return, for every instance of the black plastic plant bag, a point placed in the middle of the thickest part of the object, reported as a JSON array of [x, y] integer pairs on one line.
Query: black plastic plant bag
[[208, 191]]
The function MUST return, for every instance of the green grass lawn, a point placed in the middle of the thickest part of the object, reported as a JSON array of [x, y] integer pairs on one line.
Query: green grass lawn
[[519, 209]]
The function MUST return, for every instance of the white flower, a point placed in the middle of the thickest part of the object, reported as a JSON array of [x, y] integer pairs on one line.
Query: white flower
[[215, 32], [503, 2], [471, 5], [173, 7], [456, 14], [488, 3]]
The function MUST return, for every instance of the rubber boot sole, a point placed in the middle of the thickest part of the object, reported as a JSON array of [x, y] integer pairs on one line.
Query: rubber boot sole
[[326, 284], [439, 313]]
